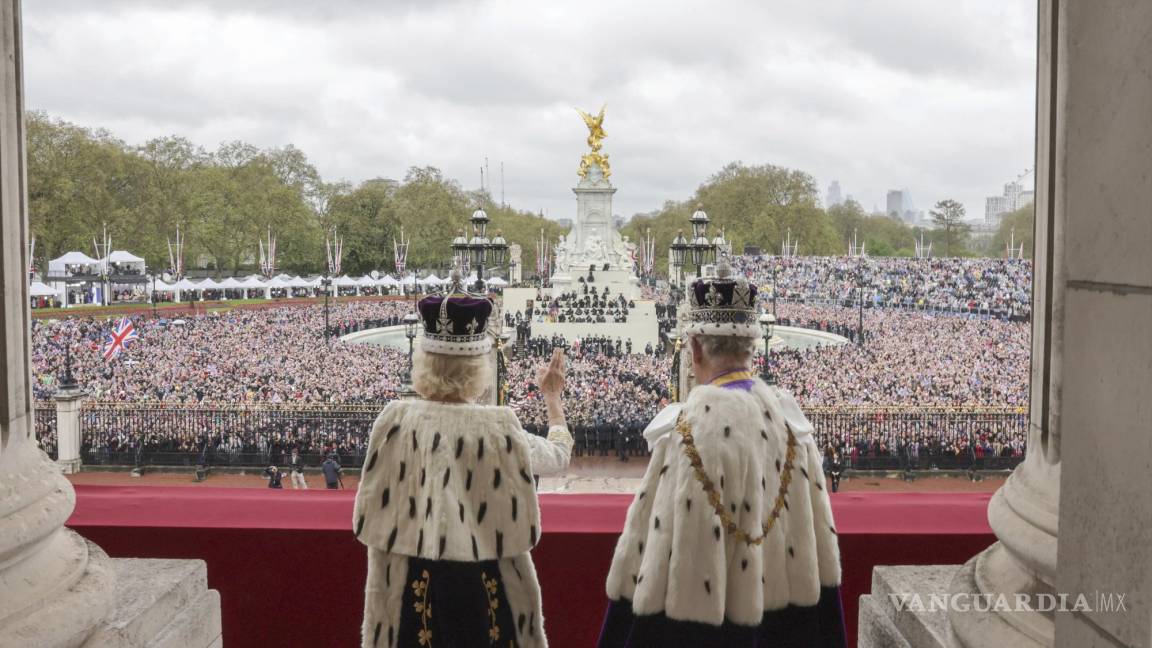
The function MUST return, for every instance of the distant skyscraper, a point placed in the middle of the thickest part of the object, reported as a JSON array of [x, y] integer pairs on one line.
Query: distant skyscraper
[[900, 206], [1014, 198], [895, 204], [833, 198]]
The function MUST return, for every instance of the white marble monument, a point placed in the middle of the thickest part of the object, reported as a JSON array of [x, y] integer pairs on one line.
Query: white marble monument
[[593, 246]]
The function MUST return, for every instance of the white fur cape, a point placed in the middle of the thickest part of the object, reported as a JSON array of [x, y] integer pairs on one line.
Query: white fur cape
[[447, 482], [675, 557]]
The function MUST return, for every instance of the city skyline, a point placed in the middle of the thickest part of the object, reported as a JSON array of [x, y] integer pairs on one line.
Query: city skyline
[[367, 91]]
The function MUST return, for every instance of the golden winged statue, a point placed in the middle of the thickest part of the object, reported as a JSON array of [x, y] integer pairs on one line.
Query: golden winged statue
[[595, 135]]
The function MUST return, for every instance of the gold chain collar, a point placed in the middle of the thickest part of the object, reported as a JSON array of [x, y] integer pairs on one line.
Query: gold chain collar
[[714, 498]]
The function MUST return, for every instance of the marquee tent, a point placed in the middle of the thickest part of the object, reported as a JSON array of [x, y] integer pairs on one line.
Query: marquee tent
[[40, 289]]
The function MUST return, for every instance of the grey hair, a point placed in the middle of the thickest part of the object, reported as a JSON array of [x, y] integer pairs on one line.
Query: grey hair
[[442, 377], [727, 346]]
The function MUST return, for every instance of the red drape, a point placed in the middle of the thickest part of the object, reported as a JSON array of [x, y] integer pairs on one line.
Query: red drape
[[290, 572]]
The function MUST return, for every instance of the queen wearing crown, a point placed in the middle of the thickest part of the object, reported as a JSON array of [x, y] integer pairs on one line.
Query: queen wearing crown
[[730, 539], [447, 501]]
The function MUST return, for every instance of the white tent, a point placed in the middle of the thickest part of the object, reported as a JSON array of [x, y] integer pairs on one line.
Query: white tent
[[254, 283], [277, 282], [432, 280], [367, 281], [208, 284], [230, 282], [161, 286], [122, 256], [387, 280], [57, 265], [185, 284], [299, 282], [498, 282], [345, 282], [39, 289]]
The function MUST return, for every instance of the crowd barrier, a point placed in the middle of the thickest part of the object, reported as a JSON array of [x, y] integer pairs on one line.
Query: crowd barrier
[[259, 435]]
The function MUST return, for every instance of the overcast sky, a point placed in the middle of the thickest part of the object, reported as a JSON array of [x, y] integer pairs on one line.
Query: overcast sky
[[930, 95]]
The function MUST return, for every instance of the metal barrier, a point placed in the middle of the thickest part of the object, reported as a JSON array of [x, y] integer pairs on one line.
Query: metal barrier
[[166, 434], [945, 435], [44, 425], [259, 435]]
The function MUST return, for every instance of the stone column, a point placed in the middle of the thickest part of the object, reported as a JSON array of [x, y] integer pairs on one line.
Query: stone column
[[1086, 479], [68, 402], [1092, 308], [55, 588]]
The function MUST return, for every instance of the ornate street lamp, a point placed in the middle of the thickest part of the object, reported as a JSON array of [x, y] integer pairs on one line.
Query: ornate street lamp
[[326, 284], [479, 250], [68, 381], [703, 251], [719, 247], [411, 329], [679, 248], [767, 323], [860, 303], [460, 251], [677, 345]]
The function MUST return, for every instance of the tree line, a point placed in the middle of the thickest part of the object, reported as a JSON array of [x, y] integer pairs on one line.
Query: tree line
[[224, 202]]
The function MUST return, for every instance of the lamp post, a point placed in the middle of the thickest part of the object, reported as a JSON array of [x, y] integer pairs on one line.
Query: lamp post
[[411, 328], [679, 248], [479, 250], [153, 295], [774, 267], [68, 381], [860, 303], [326, 282], [767, 323], [674, 338], [702, 250]]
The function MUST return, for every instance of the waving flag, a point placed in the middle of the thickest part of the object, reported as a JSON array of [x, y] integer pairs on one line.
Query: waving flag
[[116, 342]]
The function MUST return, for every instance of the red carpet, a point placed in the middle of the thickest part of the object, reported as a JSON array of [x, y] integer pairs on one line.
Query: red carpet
[[290, 573]]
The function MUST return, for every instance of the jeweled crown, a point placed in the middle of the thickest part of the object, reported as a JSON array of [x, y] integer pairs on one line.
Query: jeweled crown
[[723, 305]]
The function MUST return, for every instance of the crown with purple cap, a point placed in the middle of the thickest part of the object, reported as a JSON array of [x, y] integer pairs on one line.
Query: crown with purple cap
[[456, 323], [722, 305]]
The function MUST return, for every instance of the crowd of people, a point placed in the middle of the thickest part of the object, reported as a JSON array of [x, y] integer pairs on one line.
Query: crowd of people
[[582, 307], [208, 366], [272, 355], [997, 287]]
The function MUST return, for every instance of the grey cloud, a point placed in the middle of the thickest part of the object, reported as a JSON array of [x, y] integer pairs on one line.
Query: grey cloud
[[928, 95]]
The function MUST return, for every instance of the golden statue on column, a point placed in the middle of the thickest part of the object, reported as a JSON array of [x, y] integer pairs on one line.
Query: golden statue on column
[[595, 135]]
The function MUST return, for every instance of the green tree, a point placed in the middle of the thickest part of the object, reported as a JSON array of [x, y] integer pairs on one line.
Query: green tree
[[1016, 227], [951, 230]]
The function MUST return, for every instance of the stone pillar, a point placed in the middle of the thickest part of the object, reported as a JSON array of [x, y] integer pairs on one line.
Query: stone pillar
[[58, 590], [1086, 478], [55, 588], [68, 402], [1103, 193]]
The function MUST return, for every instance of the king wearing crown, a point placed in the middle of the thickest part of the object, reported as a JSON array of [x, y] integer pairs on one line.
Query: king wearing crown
[[730, 539], [447, 501]]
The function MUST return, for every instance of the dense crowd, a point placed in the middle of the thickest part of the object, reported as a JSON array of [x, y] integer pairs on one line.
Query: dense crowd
[[926, 352], [274, 355], [906, 358], [998, 287], [581, 306]]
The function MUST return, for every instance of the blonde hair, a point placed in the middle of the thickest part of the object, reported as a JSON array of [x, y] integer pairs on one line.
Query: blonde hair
[[451, 378]]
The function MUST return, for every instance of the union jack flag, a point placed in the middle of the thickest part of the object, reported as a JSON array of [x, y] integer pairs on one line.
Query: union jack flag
[[121, 335]]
